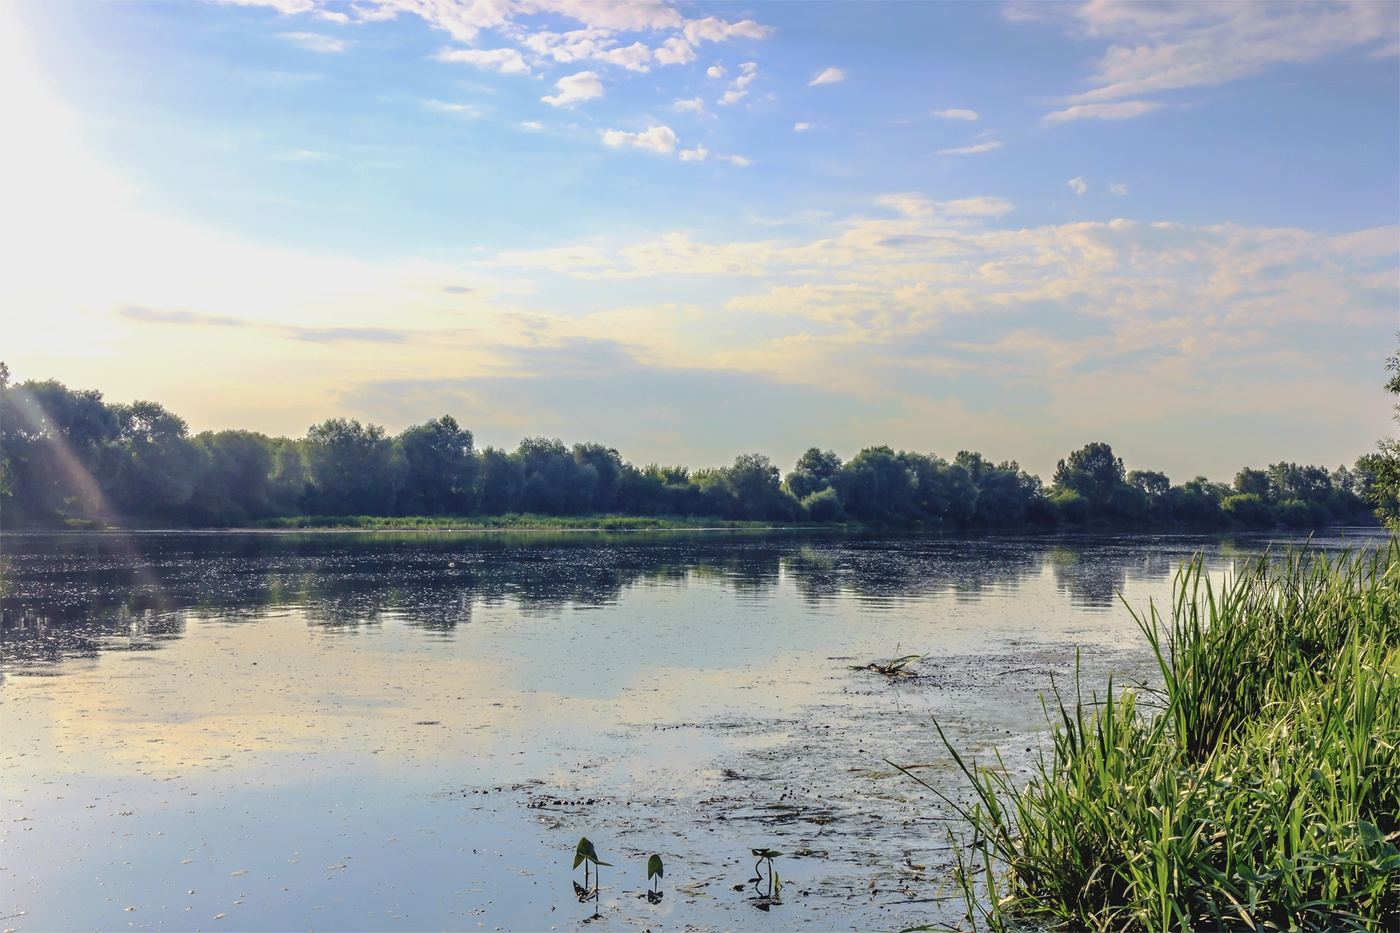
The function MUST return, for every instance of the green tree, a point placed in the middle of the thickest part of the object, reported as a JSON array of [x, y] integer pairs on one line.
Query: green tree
[[52, 442], [716, 497], [758, 493], [500, 480], [1382, 468], [152, 469], [439, 469], [555, 483], [944, 493], [353, 469], [235, 485], [1091, 484], [607, 465], [1254, 483], [1007, 496], [815, 470], [877, 485]]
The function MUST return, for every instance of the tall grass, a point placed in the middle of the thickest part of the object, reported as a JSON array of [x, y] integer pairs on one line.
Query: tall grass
[[1258, 789]]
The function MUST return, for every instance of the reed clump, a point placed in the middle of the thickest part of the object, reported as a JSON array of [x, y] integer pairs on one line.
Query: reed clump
[[1258, 789]]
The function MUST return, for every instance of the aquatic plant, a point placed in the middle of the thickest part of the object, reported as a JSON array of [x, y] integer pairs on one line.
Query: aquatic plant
[[895, 667], [765, 857], [655, 872], [585, 854], [1258, 788]]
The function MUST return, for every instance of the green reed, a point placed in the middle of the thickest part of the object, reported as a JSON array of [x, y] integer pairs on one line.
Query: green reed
[[1258, 789]]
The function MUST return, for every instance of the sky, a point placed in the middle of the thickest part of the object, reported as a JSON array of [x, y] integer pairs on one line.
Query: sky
[[694, 230]]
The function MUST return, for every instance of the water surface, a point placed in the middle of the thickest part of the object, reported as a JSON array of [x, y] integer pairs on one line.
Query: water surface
[[345, 731]]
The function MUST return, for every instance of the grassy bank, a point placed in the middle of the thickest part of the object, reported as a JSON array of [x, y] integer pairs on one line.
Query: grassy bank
[[1259, 789]]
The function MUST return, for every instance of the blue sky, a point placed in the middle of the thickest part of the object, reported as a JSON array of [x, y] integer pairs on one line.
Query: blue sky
[[694, 230]]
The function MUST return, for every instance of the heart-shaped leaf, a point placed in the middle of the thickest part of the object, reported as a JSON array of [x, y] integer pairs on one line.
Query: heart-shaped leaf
[[585, 852]]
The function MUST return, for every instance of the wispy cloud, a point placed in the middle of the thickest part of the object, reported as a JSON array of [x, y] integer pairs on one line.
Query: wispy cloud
[[1123, 110], [972, 150], [343, 334], [303, 155], [1163, 47], [803, 127], [176, 316], [315, 42], [1078, 185], [656, 138], [461, 110], [956, 114], [829, 76], [693, 105], [599, 38], [574, 89], [559, 258], [1117, 189], [697, 154]]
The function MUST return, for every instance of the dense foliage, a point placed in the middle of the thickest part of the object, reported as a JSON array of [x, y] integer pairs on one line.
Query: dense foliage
[[67, 456], [1259, 789], [1383, 466]]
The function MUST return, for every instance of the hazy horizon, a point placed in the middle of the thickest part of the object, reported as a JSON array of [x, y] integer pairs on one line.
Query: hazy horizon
[[695, 230]]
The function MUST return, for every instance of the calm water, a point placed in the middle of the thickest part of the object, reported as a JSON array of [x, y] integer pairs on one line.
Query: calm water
[[329, 731]]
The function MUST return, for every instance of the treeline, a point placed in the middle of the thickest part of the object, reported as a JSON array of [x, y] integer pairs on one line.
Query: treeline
[[68, 457]]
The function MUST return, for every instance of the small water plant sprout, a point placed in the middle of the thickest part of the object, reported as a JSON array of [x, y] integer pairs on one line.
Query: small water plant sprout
[[765, 858], [655, 872], [585, 854], [897, 666]]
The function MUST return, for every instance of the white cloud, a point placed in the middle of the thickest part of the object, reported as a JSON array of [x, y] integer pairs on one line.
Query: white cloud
[[694, 155], [656, 138], [1161, 47], [602, 24], [463, 110], [717, 30], [506, 61], [303, 155], [1199, 45], [1118, 189], [716, 71], [291, 7], [738, 88], [830, 76], [1078, 185], [633, 57], [693, 105], [911, 204], [532, 125], [574, 89], [674, 51], [1123, 110], [315, 42], [735, 159], [956, 114], [803, 127], [972, 150]]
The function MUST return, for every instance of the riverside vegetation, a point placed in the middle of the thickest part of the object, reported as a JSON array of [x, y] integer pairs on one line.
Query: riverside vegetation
[[68, 458], [1258, 789]]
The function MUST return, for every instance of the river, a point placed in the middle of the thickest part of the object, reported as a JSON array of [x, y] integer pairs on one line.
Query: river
[[334, 731]]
